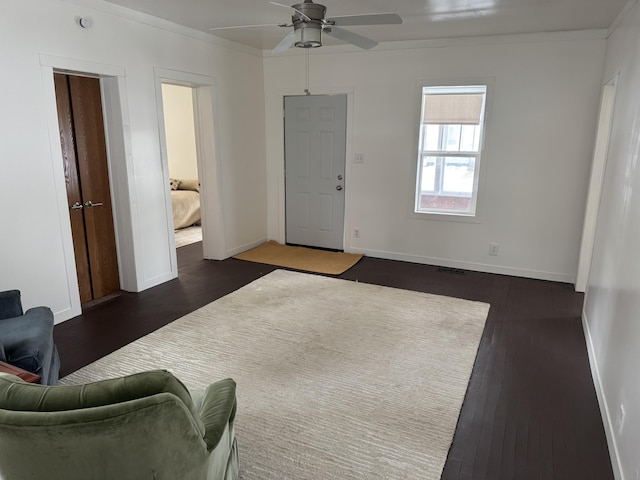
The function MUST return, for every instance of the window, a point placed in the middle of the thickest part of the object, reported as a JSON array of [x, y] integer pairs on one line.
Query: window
[[451, 129]]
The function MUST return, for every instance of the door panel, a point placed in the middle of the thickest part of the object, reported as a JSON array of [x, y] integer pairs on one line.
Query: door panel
[[326, 212], [315, 151], [303, 154], [327, 160], [74, 196], [86, 104]]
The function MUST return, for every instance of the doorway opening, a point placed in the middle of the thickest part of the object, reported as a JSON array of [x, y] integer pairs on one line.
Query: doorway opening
[[182, 159], [203, 111]]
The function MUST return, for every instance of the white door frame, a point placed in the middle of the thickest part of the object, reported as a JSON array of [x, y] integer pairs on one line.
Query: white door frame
[[119, 160], [278, 152], [600, 152], [207, 151]]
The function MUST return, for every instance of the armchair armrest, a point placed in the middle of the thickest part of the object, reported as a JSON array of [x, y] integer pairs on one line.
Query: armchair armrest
[[36, 323], [25, 336], [217, 410]]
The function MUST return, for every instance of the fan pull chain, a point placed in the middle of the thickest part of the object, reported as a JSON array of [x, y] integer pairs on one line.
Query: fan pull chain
[[306, 72]]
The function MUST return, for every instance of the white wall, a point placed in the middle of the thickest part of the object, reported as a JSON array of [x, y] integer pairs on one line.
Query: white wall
[[612, 306], [535, 166], [180, 131], [35, 227]]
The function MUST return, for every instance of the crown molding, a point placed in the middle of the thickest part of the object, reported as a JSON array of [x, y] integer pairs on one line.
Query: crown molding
[[621, 16], [162, 24], [572, 35]]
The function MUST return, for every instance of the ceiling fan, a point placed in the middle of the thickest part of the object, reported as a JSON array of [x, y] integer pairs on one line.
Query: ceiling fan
[[309, 23]]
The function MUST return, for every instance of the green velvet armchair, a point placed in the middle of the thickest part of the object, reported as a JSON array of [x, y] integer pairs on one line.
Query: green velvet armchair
[[141, 426]]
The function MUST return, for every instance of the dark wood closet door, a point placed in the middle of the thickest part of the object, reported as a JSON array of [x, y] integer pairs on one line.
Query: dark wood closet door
[[74, 195], [88, 183], [86, 103]]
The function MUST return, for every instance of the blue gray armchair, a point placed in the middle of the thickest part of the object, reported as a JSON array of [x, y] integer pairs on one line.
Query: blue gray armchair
[[26, 339]]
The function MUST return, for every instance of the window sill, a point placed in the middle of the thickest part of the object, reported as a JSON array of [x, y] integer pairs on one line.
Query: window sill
[[446, 217]]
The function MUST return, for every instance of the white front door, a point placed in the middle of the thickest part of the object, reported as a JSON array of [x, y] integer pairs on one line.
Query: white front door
[[315, 153]]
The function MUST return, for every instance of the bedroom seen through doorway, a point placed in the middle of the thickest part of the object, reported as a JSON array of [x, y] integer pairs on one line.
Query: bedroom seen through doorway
[[184, 180]]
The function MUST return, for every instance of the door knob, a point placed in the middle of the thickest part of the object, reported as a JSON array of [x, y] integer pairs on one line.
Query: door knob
[[76, 206], [90, 204], [339, 187]]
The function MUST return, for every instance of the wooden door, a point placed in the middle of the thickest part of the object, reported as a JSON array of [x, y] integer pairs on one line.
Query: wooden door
[[87, 178], [315, 155], [74, 196]]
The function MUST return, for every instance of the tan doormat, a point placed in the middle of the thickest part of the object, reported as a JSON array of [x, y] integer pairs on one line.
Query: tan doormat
[[301, 258]]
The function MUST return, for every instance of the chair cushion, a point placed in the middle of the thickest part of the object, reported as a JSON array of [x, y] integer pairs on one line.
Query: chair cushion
[[10, 304], [16, 395]]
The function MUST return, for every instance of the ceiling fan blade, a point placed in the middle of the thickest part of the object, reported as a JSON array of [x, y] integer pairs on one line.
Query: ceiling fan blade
[[350, 37], [250, 26], [373, 19], [285, 43], [293, 10]]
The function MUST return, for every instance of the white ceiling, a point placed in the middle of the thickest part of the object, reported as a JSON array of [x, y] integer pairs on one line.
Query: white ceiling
[[423, 19]]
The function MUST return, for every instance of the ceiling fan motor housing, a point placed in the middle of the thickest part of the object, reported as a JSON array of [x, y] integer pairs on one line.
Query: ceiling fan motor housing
[[308, 32]]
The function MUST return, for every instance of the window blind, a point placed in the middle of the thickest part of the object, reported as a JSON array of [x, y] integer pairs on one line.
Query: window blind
[[453, 109]]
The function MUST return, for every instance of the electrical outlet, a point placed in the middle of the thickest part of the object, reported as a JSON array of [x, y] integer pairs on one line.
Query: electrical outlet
[[359, 158], [493, 249], [356, 233], [620, 419]]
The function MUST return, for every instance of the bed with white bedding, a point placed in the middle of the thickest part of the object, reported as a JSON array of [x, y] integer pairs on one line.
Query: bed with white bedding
[[185, 202]]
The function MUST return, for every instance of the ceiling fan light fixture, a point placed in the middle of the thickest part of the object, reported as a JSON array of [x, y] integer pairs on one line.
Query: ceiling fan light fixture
[[308, 36], [309, 22]]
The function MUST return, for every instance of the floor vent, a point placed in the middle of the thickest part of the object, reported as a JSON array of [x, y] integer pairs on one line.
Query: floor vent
[[455, 271]]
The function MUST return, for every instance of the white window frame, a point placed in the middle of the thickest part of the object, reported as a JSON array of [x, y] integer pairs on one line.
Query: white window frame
[[480, 155]]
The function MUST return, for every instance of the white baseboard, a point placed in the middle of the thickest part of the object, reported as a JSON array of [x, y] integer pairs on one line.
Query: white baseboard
[[245, 247], [478, 267], [602, 401], [158, 280], [66, 314]]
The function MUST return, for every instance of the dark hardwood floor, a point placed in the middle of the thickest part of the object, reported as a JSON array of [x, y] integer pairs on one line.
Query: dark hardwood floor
[[530, 411]]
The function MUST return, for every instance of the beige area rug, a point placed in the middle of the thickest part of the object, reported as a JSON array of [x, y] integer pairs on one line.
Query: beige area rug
[[301, 258], [189, 235], [336, 379]]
